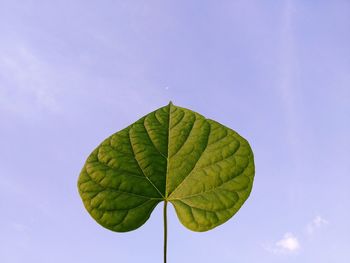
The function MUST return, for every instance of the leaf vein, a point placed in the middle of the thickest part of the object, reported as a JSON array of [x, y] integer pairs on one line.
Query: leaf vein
[[113, 189], [148, 134], [132, 147], [188, 136], [195, 163]]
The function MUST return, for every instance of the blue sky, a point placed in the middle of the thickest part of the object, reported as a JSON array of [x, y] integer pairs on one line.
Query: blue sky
[[277, 72]]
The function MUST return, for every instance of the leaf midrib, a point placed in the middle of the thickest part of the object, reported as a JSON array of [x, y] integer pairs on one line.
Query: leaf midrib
[[167, 158]]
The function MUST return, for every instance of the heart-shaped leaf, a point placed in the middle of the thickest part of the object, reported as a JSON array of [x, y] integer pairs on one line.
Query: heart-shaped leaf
[[173, 154]]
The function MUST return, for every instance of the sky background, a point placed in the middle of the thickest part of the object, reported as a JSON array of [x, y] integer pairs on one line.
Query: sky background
[[277, 72]]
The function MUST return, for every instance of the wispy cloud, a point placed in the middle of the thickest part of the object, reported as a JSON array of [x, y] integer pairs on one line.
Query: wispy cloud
[[19, 227], [288, 61], [289, 77], [315, 224], [288, 244], [26, 81]]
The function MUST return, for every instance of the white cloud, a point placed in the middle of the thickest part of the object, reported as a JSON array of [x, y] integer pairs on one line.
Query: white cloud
[[287, 245], [315, 224]]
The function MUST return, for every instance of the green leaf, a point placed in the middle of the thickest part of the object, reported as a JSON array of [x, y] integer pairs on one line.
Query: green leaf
[[173, 154]]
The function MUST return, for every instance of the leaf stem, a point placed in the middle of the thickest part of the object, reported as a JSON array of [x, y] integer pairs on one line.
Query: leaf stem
[[165, 229]]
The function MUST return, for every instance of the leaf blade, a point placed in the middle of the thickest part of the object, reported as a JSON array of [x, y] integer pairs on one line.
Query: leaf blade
[[203, 168]]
